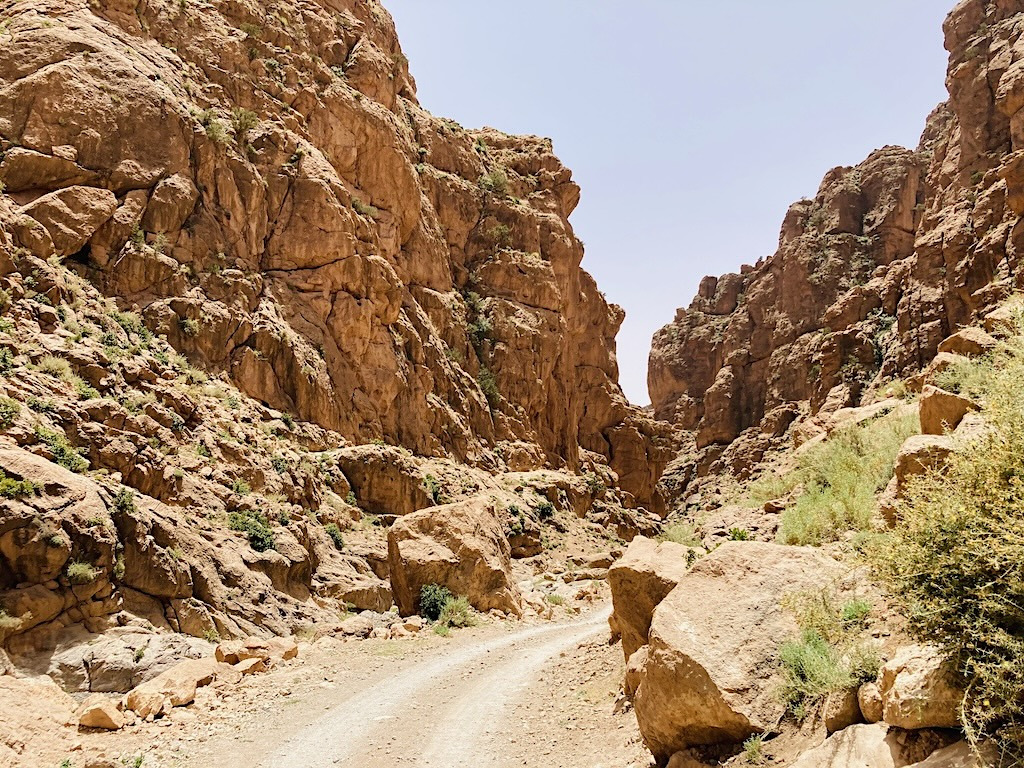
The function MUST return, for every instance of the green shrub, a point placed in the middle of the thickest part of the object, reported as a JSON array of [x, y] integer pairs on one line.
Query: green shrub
[[83, 389], [555, 599], [495, 182], [829, 655], [9, 410], [63, 452], [457, 613], [841, 478], [434, 489], [595, 484], [955, 561], [432, 600], [189, 326], [79, 572], [854, 612], [739, 534], [243, 121], [681, 533], [240, 487], [124, 501], [489, 386], [57, 367], [253, 524], [335, 533], [13, 489], [6, 360], [753, 750], [812, 669], [545, 510]]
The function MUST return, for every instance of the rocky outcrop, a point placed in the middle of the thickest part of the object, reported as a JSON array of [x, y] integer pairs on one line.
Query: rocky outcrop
[[293, 218], [460, 546], [919, 690], [639, 581], [873, 276], [710, 675]]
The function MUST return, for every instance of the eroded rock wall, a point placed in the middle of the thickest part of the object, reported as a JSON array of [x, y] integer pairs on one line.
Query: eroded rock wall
[[263, 185], [888, 259]]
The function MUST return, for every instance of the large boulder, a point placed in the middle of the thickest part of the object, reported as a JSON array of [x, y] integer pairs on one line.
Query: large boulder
[[461, 546], [919, 690], [711, 674], [639, 582], [174, 688], [859, 746], [942, 411]]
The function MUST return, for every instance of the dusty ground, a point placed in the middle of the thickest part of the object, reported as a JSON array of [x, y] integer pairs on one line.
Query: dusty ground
[[540, 694]]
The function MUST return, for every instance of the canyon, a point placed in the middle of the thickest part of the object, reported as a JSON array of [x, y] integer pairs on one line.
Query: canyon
[[304, 387]]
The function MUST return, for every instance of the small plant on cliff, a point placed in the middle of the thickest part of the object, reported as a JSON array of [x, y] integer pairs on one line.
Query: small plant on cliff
[[254, 525], [57, 367], [432, 600], [243, 121], [753, 750], [334, 532], [8, 623], [739, 534], [13, 489], [364, 209], [495, 182], [545, 510], [489, 386], [955, 560], [240, 488], [434, 489], [9, 410], [189, 326], [63, 452], [124, 502], [79, 572]]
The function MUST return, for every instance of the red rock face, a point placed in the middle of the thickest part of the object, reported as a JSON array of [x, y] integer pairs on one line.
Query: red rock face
[[888, 259], [266, 189]]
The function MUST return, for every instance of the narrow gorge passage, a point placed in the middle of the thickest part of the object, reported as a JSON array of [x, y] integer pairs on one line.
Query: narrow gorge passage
[[448, 711]]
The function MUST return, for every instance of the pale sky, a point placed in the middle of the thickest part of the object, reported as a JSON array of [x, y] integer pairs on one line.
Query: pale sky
[[691, 125]]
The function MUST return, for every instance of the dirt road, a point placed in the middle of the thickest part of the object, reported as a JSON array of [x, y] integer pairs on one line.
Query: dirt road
[[463, 706]]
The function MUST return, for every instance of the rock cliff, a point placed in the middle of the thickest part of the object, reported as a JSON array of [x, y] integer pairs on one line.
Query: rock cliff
[[256, 304], [888, 259], [264, 187]]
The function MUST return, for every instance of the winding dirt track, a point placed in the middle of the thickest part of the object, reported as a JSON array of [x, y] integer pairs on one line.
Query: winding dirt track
[[447, 712]]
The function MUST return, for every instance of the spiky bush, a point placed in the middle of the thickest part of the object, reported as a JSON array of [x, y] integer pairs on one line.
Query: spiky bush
[[955, 561]]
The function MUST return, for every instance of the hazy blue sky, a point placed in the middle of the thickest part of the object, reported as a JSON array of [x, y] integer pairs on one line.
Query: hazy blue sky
[[691, 125]]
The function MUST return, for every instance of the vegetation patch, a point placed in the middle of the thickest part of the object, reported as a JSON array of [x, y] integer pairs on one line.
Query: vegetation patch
[[14, 489], [432, 600], [955, 561], [63, 452], [829, 654], [254, 525], [334, 532], [840, 479], [80, 572]]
